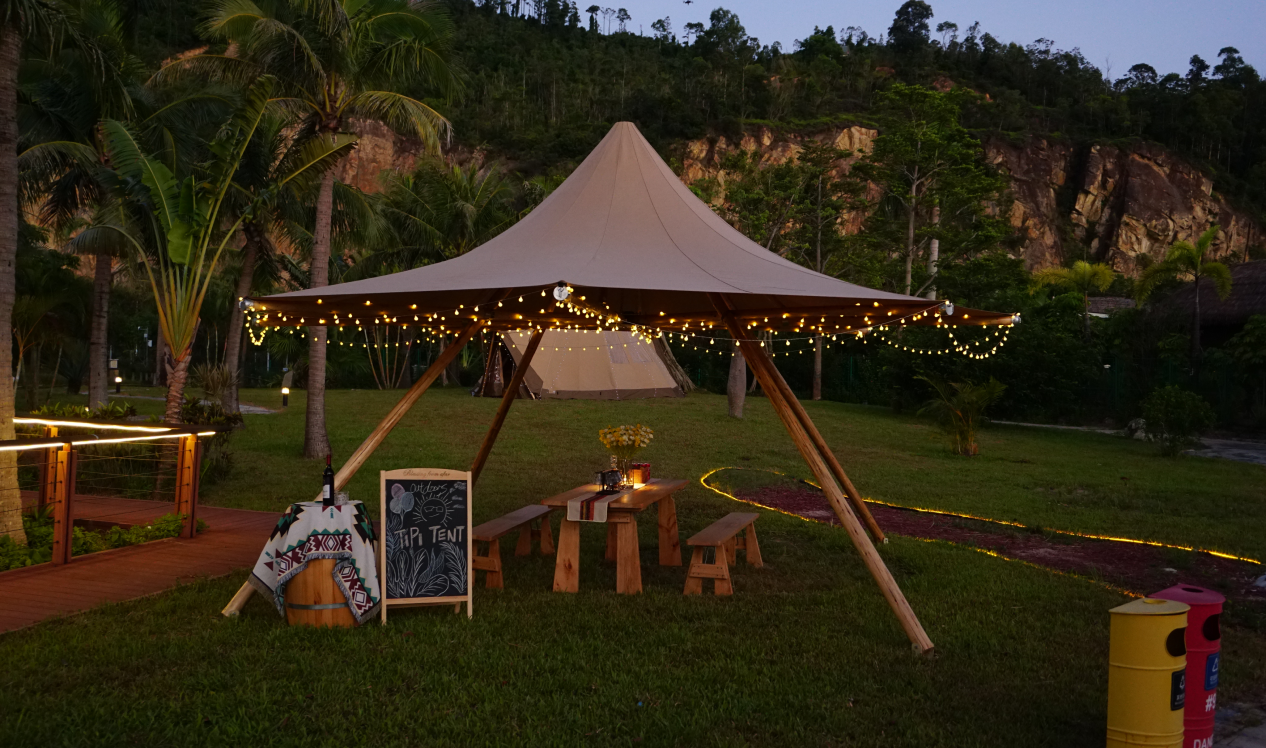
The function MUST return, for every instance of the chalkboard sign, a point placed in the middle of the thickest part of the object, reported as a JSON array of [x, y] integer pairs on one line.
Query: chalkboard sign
[[425, 548]]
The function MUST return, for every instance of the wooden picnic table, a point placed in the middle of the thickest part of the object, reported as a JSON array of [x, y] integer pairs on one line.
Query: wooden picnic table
[[621, 533]]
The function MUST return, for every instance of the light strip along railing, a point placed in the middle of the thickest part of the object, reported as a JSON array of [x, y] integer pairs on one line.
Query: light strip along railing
[[85, 424], [58, 468]]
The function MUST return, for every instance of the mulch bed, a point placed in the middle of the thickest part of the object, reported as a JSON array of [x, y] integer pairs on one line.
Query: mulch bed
[[1135, 567]]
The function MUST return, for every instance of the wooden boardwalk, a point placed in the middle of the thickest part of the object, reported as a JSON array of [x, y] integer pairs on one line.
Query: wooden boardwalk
[[232, 541]]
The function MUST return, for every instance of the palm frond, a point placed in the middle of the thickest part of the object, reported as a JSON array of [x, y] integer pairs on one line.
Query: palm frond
[[1151, 278], [313, 158], [403, 114], [230, 19], [1220, 274], [163, 188]]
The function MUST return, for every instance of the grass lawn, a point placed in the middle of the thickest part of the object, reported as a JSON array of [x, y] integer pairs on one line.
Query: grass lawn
[[805, 653]]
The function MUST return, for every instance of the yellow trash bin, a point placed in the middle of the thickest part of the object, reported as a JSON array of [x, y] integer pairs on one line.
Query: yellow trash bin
[[1147, 661]]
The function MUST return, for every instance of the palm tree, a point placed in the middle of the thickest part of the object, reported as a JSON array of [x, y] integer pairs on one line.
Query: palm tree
[[1083, 277], [436, 213], [185, 216], [279, 166], [40, 21], [439, 212], [63, 101], [335, 60], [62, 149], [1187, 262]]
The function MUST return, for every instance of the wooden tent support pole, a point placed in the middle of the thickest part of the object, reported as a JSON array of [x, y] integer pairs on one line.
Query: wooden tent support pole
[[854, 497], [484, 383], [762, 367], [507, 399], [376, 437]]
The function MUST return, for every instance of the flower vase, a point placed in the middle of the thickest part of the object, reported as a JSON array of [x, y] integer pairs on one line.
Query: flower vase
[[624, 465]]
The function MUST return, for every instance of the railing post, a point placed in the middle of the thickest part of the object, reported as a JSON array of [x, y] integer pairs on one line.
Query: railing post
[[191, 527], [48, 469], [187, 459], [63, 492]]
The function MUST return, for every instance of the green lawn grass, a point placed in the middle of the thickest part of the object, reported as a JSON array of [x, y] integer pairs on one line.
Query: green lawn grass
[[1065, 480], [805, 653]]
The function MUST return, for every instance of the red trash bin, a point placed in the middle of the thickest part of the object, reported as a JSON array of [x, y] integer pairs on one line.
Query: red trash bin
[[1204, 644]]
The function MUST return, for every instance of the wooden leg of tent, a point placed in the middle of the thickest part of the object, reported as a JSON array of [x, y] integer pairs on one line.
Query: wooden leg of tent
[[507, 398], [485, 382], [367, 447], [854, 497], [362, 453], [762, 367]]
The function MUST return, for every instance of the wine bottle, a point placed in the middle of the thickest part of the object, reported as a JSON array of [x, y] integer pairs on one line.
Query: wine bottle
[[327, 489]]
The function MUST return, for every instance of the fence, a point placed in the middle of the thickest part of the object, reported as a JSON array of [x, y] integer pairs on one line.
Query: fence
[[54, 462]]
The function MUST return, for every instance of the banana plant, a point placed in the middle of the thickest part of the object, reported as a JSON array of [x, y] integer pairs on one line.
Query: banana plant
[[186, 221]]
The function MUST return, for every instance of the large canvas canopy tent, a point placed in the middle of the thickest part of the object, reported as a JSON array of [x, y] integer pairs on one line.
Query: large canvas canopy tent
[[622, 244]]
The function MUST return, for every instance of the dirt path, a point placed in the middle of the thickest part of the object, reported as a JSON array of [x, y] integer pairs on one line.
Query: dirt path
[[1135, 567]]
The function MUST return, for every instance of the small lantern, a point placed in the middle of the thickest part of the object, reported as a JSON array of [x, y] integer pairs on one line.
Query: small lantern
[[118, 385], [285, 397], [639, 474], [609, 481]]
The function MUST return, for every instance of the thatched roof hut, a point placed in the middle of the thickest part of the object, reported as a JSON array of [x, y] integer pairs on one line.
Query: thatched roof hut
[[1248, 297]]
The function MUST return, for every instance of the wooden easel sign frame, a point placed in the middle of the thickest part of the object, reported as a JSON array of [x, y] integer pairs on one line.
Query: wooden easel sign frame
[[424, 552]]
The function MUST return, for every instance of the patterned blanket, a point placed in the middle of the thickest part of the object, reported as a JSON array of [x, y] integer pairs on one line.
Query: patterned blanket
[[308, 530]]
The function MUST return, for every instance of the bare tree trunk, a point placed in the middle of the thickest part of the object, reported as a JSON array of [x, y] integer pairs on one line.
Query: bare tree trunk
[[817, 367], [444, 371], [934, 254], [1195, 327], [768, 339], [52, 382], [910, 215], [237, 321], [678, 374], [10, 53], [454, 369], [316, 442], [736, 387], [177, 375], [98, 344], [31, 377]]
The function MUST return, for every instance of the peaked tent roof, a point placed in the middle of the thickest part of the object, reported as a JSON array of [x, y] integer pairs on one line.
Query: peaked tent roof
[[630, 238], [593, 365]]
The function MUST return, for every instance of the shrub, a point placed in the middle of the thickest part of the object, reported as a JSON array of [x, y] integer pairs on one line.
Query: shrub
[[960, 409], [1176, 418], [217, 459], [106, 412], [214, 379], [39, 538]]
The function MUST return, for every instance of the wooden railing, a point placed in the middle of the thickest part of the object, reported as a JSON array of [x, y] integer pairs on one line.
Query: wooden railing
[[58, 455]]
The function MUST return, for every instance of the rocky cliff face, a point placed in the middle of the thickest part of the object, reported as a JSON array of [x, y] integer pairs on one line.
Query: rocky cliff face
[[378, 149], [1110, 204], [1116, 205], [702, 158], [1107, 203]]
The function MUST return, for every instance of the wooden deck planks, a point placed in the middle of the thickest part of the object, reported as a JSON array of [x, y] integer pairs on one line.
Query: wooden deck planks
[[232, 541]]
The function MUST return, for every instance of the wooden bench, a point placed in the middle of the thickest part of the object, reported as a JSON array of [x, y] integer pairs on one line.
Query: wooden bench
[[722, 537], [492, 531]]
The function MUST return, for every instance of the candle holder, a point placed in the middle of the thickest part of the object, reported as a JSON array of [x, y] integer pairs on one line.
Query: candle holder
[[639, 474]]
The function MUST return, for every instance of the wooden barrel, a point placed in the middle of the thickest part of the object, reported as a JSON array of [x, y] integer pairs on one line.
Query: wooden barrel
[[314, 599]]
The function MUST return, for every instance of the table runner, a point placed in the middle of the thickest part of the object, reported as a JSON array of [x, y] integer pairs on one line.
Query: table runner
[[308, 531], [591, 508]]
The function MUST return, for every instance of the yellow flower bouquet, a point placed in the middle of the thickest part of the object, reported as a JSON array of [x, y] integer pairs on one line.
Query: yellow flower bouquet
[[623, 442]]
